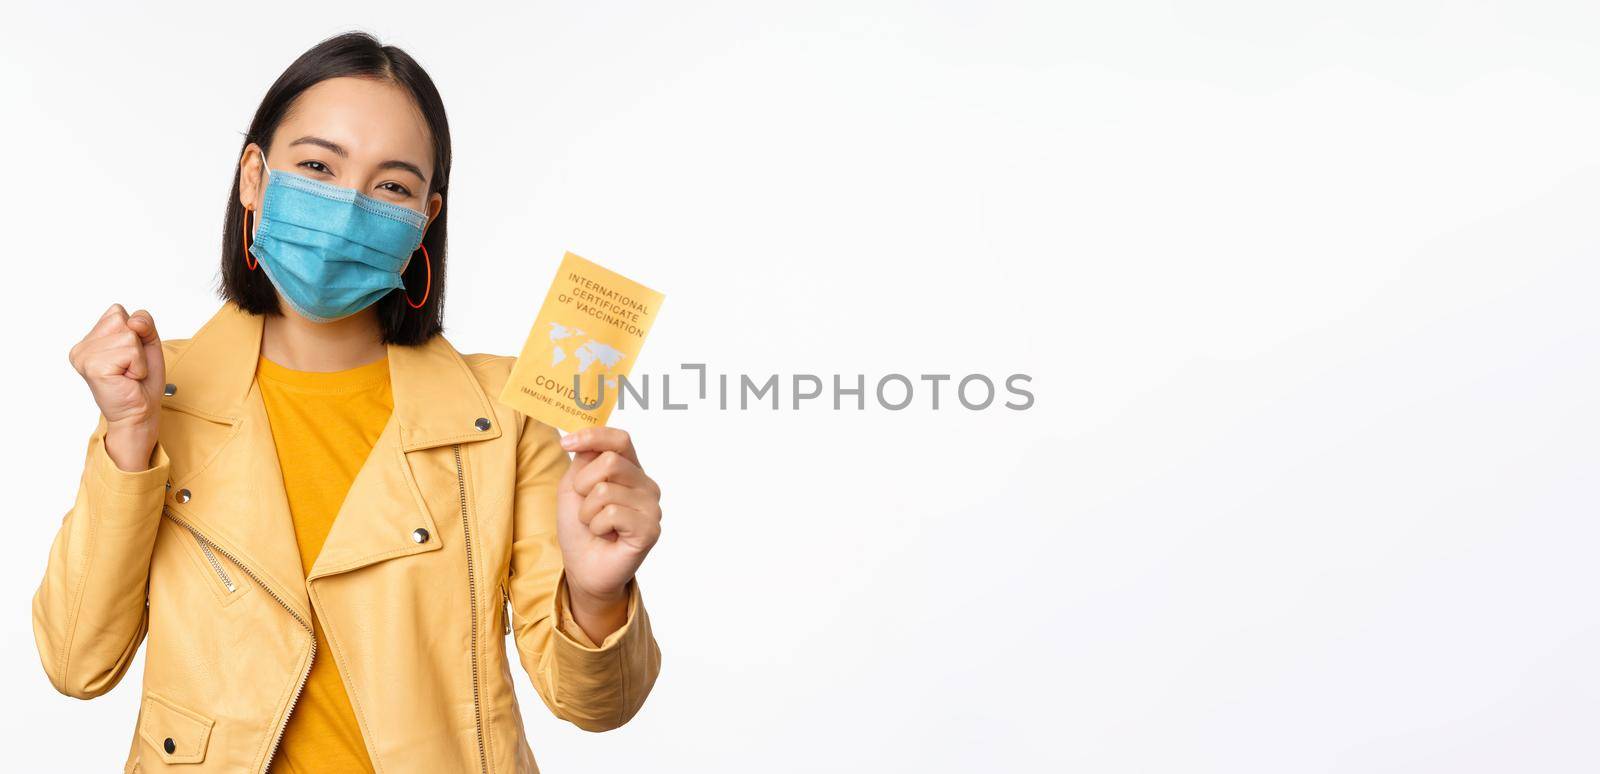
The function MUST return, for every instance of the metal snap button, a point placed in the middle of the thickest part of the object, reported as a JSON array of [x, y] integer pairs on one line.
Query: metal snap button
[[419, 535], [170, 389], [482, 424], [169, 746], [183, 495]]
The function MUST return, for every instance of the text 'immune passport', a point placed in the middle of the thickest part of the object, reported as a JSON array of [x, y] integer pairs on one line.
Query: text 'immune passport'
[[588, 333]]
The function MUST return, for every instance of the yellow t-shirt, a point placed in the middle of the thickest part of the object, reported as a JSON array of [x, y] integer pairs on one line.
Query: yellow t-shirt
[[324, 425]]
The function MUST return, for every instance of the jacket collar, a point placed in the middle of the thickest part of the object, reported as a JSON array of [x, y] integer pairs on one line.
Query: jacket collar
[[437, 399], [239, 502]]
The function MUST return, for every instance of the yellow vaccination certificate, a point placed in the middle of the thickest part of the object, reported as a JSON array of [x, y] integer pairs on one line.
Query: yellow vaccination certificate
[[588, 334]]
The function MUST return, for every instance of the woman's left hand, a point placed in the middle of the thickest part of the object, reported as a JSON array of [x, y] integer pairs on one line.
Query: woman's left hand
[[608, 516]]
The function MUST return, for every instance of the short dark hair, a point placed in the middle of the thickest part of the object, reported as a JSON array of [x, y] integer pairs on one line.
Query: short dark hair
[[360, 55]]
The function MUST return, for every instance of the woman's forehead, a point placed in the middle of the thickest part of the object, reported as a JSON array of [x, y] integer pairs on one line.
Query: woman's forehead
[[368, 119]]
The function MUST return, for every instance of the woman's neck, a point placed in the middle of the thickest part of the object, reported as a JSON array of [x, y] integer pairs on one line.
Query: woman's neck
[[294, 342]]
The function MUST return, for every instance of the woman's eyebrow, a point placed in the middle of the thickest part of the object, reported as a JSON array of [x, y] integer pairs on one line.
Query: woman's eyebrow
[[405, 165], [338, 150]]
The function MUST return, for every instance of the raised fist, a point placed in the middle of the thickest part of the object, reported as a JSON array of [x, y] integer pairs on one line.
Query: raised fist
[[121, 360]]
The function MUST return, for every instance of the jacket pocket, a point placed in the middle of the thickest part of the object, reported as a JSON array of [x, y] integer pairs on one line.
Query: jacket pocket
[[174, 732], [223, 577]]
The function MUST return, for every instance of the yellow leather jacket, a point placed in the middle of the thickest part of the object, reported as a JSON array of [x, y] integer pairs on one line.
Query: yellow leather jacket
[[445, 543]]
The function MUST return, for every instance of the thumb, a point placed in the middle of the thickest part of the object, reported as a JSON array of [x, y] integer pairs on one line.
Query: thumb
[[144, 325]]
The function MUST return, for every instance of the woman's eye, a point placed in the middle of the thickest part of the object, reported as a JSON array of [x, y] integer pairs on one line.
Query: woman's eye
[[315, 165], [397, 188]]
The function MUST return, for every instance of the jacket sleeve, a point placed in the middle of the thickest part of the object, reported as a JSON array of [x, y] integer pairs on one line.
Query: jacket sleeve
[[595, 687], [89, 613]]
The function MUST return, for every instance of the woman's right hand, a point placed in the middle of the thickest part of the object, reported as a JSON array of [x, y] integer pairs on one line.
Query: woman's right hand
[[121, 360]]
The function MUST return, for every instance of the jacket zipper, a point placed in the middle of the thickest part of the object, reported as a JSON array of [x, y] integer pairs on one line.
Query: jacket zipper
[[205, 542], [505, 609], [215, 565], [472, 594]]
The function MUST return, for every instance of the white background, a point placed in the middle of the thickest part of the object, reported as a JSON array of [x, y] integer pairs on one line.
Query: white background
[[1307, 294]]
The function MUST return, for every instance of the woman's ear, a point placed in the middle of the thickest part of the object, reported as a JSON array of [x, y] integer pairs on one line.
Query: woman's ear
[[435, 203], [252, 176]]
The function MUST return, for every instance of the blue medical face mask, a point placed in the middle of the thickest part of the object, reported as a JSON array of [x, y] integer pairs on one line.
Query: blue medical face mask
[[332, 251]]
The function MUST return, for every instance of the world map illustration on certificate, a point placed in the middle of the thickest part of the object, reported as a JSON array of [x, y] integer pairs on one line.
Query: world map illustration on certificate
[[587, 352]]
